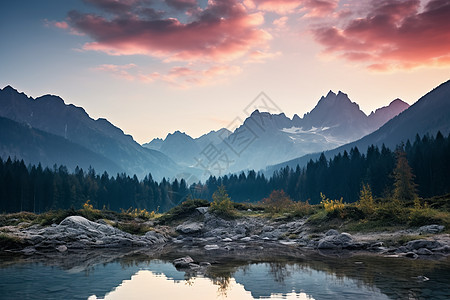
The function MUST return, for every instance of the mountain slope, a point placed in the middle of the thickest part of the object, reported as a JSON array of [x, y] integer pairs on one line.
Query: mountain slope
[[265, 138], [36, 146], [50, 114], [430, 114]]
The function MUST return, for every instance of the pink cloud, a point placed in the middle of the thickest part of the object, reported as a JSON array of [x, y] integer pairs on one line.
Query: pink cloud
[[186, 77], [61, 25], [181, 76], [121, 71], [313, 8], [393, 35], [223, 31]]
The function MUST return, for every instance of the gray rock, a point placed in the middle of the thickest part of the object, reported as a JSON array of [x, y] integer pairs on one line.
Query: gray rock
[[190, 227], [246, 239], [211, 247], [443, 249], [331, 232], [433, 229], [61, 248], [76, 232], [267, 228], [241, 229], [339, 241], [417, 244], [29, 250], [401, 249], [202, 210], [183, 262], [410, 255], [424, 251]]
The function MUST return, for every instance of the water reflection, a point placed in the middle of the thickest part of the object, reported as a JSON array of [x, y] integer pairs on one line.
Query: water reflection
[[144, 276]]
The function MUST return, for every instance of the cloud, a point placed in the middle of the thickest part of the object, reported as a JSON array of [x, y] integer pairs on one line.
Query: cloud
[[121, 71], [222, 31], [392, 35], [312, 8], [280, 23], [182, 4], [180, 76], [260, 56], [61, 25]]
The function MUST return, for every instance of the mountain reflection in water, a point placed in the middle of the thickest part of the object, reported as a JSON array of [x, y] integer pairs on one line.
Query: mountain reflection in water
[[143, 276]]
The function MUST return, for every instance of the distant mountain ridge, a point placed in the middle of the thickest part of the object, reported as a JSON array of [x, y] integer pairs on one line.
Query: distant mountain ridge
[[50, 114], [266, 138], [430, 114], [263, 139], [35, 146]]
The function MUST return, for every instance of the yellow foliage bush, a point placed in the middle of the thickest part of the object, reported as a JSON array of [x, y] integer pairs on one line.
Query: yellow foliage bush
[[88, 206], [139, 213], [366, 203], [331, 205]]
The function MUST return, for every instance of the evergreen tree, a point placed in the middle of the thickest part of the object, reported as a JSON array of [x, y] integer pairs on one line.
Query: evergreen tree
[[404, 186]]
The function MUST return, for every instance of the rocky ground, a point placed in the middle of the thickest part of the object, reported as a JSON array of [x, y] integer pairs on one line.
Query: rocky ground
[[207, 232]]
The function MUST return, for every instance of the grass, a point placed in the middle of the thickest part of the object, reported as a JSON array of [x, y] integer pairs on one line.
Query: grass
[[134, 227], [182, 211], [385, 215], [10, 242]]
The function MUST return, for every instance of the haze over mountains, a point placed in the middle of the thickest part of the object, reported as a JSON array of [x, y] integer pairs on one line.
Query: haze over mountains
[[430, 114], [47, 130], [264, 139], [103, 146]]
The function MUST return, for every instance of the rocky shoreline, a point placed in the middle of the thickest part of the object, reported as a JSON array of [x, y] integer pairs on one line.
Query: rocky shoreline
[[206, 232]]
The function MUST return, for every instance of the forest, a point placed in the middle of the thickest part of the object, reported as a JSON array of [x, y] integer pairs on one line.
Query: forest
[[37, 189]]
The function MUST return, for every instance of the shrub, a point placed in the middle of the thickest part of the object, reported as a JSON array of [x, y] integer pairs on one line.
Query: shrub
[[352, 212], [301, 209], [331, 206], [10, 242], [277, 201], [134, 227], [183, 210], [54, 216], [89, 212], [366, 203], [427, 216], [391, 212], [222, 204], [139, 213]]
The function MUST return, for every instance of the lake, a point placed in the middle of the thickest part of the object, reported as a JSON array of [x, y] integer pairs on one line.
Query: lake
[[144, 275]]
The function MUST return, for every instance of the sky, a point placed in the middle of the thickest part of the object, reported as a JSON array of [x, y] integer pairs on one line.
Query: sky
[[152, 67]]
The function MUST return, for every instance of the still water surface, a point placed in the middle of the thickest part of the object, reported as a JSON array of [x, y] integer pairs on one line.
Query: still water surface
[[141, 277]]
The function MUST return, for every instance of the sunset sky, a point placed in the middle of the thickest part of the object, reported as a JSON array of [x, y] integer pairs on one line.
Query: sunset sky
[[152, 67]]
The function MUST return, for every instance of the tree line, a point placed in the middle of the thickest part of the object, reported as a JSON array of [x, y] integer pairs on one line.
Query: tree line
[[345, 173], [38, 189]]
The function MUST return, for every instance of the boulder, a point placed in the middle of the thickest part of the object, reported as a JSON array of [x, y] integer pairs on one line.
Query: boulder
[[339, 241], [76, 232], [190, 227], [202, 210], [432, 229], [332, 232], [424, 251], [417, 244], [183, 262]]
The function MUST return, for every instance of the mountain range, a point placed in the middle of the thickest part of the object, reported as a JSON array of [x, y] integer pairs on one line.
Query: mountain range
[[56, 131], [48, 131], [430, 114], [264, 139]]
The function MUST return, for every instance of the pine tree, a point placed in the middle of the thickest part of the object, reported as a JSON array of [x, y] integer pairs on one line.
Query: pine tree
[[366, 199], [404, 187]]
